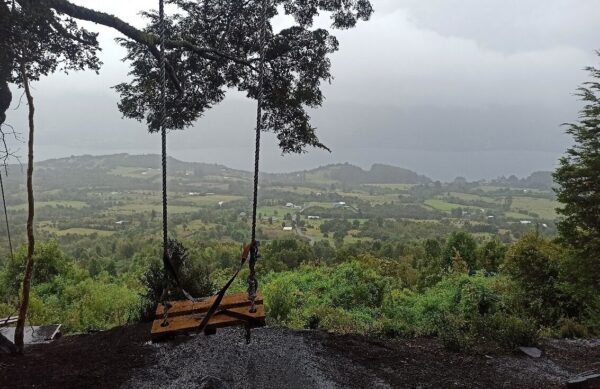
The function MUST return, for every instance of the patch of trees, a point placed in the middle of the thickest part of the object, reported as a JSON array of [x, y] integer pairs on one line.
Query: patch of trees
[[536, 180]]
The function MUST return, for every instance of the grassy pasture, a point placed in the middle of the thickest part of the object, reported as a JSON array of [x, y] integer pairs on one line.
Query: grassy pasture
[[275, 211], [53, 204], [373, 199], [294, 189], [474, 197], [543, 207], [139, 208], [204, 201], [83, 231], [517, 215], [135, 172], [392, 186], [445, 206]]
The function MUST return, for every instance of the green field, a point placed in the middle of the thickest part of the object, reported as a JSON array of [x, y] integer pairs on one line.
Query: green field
[[135, 208], [53, 204], [372, 199], [212, 200], [135, 172], [474, 197], [83, 231], [392, 186], [543, 207], [445, 206]]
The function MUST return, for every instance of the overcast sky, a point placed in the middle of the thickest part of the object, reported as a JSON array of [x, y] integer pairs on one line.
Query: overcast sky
[[447, 88]]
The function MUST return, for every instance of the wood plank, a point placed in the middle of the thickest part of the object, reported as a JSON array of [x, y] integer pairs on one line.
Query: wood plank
[[8, 320], [187, 307], [187, 323]]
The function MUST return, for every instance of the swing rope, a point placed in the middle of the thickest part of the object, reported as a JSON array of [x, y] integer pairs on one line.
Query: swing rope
[[170, 247], [163, 129], [252, 281], [250, 251]]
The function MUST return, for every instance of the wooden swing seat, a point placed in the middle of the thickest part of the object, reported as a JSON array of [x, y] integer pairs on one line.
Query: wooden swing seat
[[185, 316]]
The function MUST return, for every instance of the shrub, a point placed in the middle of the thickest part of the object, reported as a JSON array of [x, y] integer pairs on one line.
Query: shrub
[[569, 328], [193, 273], [534, 263], [280, 299], [507, 330], [592, 314], [462, 310], [461, 244]]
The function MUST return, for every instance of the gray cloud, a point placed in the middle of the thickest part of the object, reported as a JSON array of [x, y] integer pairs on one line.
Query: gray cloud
[[429, 85]]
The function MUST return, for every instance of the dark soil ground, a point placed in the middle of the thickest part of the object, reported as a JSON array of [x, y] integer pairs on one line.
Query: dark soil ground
[[281, 358]]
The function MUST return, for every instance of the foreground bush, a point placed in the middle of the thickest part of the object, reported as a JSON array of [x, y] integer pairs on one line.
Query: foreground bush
[[462, 310], [361, 297]]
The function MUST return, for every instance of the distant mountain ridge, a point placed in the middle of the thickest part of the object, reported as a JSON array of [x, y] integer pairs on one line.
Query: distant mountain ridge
[[344, 173], [349, 174]]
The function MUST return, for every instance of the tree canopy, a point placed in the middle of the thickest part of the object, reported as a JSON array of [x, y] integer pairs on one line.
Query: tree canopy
[[212, 46], [578, 177]]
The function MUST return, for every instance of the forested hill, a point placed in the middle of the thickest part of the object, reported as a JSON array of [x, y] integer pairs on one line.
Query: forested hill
[[115, 171], [347, 174], [141, 171]]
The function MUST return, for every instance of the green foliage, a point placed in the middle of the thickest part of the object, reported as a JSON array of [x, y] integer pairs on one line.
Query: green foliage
[[367, 296], [534, 263], [579, 192], [281, 295], [281, 255], [62, 292], [49, 261], [569, 328], [490, 256], [463, 244], [96, 304], [297, 56], [191, 267], [465, 311], [328, 297], [45, 43], [592, 316]]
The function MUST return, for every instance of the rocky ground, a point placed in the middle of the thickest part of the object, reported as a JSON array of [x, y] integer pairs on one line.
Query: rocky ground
[[281, 358]]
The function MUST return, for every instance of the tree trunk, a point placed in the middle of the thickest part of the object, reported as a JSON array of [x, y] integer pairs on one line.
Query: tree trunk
[[5, 62], [19, 330]]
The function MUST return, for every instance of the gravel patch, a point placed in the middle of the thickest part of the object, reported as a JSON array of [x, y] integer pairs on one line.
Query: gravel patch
[[275, 358]]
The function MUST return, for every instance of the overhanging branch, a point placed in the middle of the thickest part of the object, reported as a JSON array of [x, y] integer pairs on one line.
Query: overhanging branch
[[105, 19]]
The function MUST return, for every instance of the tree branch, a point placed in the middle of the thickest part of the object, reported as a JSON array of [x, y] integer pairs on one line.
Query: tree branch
[[150, 40], [61, 30]]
